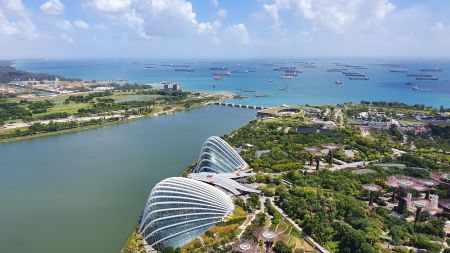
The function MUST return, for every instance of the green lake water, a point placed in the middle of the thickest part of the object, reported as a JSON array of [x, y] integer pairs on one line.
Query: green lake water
[[84, 192]]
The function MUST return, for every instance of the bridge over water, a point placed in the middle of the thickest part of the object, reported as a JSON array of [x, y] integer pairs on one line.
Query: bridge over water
[[258, 107]]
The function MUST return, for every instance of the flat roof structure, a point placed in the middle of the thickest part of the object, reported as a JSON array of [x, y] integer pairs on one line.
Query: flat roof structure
[[280, 111], [225, 181]]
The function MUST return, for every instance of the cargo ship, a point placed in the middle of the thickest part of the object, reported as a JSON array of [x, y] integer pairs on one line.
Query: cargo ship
[[358, 78], [222, 74], [399, 70], [432, 78], [418, 75], [432, 70], [184, 70], [260, 95]]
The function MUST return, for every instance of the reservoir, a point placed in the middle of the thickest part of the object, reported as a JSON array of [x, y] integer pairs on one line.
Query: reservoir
[[84, 191]]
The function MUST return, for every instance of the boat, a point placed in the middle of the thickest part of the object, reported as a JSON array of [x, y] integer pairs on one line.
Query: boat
[[291, 72], [240, 71], [432, 70], [217, 77], [252, 69], [416, 87], [358, 78], [350, 73], [419, 75], [270, 81], [338, 82], [399, 70], [285, 88], [432, 78], [286, 77], [248, 90], [227, 73], [260, 95], [334, 70], [356, 75], [184, 70], [218, 68], [285, 69]]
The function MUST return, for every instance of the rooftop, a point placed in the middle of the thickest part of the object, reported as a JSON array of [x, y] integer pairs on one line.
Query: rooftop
[[225, 181]]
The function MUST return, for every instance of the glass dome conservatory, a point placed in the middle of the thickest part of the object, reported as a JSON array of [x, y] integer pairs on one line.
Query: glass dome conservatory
[[217, 156], [179, 209]]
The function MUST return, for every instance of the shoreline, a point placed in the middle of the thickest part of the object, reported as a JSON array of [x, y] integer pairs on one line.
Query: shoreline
[[105, 124]]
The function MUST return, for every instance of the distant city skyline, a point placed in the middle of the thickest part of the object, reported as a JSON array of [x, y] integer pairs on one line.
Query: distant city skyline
[[224, 29]]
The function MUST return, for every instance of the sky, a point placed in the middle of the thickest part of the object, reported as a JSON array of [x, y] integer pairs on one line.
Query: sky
[[224, 28]]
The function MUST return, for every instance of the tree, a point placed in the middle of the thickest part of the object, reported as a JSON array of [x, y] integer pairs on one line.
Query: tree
[[398, 233], [282, 247]]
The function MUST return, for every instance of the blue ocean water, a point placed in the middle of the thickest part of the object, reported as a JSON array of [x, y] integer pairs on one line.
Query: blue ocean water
[[313, 86]]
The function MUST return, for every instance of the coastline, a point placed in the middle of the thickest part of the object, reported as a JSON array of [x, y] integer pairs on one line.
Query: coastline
[[106, 124]]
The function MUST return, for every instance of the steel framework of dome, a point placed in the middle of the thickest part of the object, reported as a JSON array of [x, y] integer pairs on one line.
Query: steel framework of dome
[[217, 156], [178, 210]]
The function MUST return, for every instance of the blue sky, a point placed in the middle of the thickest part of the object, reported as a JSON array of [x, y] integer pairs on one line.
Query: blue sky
[[224, 28]]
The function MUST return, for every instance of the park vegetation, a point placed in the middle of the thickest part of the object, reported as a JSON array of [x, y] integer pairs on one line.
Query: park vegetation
[[103, 107], [333, 207]]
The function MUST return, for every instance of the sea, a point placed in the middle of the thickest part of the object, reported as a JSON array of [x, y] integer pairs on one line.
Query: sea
[[315, 85]]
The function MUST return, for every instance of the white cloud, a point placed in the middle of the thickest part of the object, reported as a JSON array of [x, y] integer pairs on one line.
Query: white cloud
[[67, 38], [169, 18], [440, 27], [215, 3], [272, 11], [161, 18], [15, 6], [6, 27], [81, 24], [100, 26], [52, 7], [135, 22], [15, 20], [209, 30], [64, 24], [110, 5], [338, 16], [222, 13], [238, 33]]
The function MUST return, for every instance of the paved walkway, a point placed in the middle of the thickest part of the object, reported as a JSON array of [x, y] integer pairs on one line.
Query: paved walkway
[[348, 165], [299, 229]]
